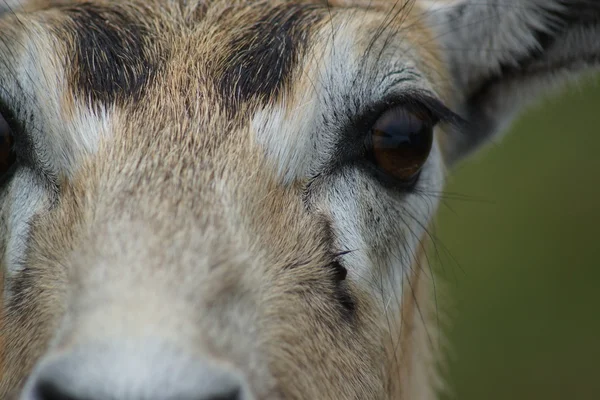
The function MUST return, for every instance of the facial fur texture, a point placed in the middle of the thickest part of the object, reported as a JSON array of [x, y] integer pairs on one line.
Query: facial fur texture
[[171, 208], [182, 183]]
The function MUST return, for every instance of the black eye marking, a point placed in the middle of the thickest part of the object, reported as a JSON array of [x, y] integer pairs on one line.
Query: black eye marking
[[113, 53], [278, 39], [7, 153]]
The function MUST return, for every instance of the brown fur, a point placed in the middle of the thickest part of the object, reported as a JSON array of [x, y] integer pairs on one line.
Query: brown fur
[[166, 214], [276, 261]]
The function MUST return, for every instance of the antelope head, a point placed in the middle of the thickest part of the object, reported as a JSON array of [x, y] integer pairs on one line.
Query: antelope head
[[217, 199]]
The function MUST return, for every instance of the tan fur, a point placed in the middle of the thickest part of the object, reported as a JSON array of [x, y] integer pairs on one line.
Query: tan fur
[[187, 210], [415, 340], [60, 240]]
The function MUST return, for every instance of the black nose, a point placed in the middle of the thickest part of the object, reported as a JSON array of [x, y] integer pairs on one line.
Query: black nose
[[115, 373]]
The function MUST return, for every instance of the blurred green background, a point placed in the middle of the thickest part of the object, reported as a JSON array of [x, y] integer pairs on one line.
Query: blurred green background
[[520, 255]]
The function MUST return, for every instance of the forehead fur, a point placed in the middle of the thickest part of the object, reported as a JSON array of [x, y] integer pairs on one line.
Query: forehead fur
[[188, 62], [237, 52], [241, 51]]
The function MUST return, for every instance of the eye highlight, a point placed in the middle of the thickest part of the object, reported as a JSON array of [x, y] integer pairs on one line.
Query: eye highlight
[[7, 155], [399, 143]]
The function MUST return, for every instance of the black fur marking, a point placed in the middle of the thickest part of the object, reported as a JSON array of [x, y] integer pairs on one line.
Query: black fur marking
[[340, 272], [111, 61], [264, 54], [345, 301], [343, 294]]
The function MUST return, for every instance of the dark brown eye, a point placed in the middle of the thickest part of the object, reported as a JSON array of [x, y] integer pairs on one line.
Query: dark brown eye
[[400, 142], [7, 155]]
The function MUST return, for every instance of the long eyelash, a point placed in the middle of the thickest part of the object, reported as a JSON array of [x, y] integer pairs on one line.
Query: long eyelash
[[429, 104], [342, 253]]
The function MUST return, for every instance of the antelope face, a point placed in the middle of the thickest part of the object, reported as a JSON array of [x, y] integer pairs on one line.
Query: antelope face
[[228, 199]]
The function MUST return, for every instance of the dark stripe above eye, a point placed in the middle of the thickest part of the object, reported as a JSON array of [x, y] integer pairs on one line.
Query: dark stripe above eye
[[111, 61], [263, 54]]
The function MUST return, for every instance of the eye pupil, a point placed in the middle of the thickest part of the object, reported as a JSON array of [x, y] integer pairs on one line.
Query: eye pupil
[[401, 142], [7, 156]]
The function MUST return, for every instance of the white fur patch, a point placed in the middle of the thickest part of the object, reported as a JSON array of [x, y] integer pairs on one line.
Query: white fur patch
[[64, 131], [292, 132], [302, 133], [383, 253], [26, 199]]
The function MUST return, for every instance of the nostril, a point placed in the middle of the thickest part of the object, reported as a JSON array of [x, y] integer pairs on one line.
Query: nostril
[[47, 390], [234, 394], [132, 373]]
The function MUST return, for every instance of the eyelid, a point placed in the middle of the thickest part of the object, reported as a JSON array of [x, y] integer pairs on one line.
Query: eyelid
[[350, 147], [427, 103], [9, 116], [23, 146]]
